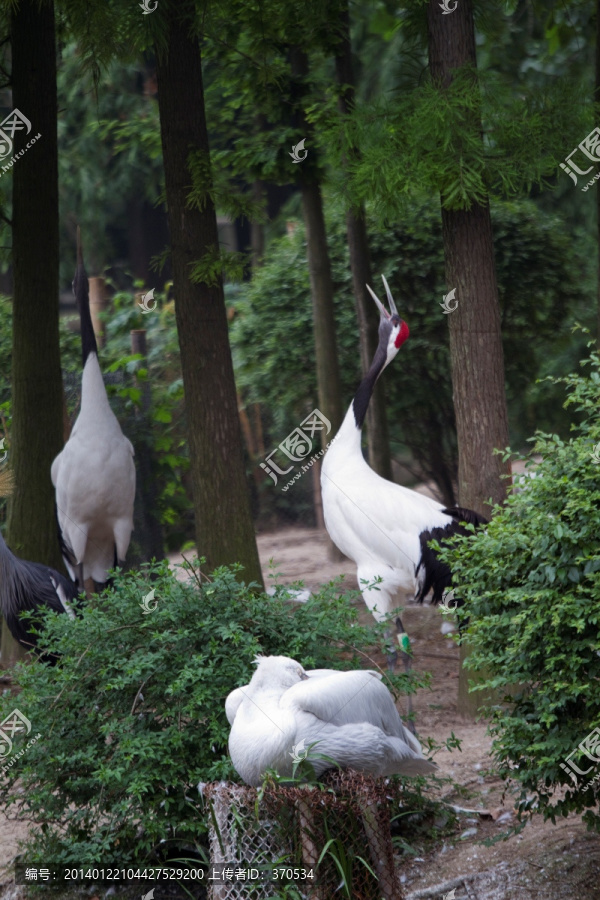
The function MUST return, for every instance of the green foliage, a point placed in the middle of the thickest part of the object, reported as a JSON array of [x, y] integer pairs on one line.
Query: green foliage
[[530, 583], [102, 175], [163, 425], [132, 717], [541, 288]]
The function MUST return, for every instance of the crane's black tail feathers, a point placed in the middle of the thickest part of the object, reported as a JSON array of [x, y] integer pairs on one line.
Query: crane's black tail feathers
[[438, 577]]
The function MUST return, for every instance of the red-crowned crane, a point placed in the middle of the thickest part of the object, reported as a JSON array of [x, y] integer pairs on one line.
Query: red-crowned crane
[[26, 586], [94, 475], [383, 527]]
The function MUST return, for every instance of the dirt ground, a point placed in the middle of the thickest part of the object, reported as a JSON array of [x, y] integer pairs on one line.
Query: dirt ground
[[553, 862]]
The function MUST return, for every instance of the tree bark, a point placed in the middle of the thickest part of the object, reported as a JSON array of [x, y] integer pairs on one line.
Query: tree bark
[[476, 355], [360, 264], [477, 359], [321, 288], [317, 253], [150, 535], [224, 529], [37, 391]]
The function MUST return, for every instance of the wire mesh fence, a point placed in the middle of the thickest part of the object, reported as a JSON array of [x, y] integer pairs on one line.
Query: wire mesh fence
[[310, 842]]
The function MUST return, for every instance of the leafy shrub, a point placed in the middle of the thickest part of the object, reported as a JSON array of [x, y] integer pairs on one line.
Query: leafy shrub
[[530, 583], [132, 717]]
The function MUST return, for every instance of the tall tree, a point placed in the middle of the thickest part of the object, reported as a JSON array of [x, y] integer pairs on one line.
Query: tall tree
[[360, 263], [476, 354], [224, 527], [319, 263], [37, 397]]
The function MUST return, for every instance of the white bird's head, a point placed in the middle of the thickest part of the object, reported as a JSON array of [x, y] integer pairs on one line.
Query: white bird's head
[[393, 330], [277, 672]]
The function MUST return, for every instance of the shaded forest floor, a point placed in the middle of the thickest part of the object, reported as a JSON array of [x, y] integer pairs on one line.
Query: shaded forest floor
[[553, 862]]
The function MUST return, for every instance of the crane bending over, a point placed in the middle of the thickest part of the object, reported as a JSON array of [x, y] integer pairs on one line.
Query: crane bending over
[[94, 474], [350, 716], [383, 527], [26, 586]]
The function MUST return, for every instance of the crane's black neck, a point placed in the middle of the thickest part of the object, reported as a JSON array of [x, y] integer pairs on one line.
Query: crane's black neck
[[362, 397], [82, 295]]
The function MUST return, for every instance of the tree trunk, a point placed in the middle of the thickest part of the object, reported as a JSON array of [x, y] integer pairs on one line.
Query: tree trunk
[[150, 535], [224, 529], [321, 287], [360, 264], [477, 359], [37, 391], [257, 229]]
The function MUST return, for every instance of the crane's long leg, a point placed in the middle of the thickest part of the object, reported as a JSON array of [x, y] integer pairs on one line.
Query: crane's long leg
[[404, 642]]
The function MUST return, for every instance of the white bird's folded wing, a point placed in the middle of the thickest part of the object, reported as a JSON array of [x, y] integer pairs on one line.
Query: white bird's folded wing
[[345, 698]]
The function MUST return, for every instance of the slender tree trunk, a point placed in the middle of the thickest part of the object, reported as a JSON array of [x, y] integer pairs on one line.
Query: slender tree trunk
[[321, 287], [477, 359], [319, 265], [257, 229], [360, 263], [224, 529], [150, 536], [37, 391]]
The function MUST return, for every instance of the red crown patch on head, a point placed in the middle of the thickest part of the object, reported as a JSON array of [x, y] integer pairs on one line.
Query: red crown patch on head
[[402, 335]]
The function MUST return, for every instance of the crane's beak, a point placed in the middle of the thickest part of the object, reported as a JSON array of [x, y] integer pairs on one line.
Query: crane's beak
[[380, 305]]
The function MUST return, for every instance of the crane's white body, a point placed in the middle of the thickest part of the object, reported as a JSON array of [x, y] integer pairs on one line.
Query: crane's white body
[[374, 522], [350, 716], [94, 477]]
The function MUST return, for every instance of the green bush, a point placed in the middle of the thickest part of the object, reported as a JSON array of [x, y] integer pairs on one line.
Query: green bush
[[530, 583], [132, 717]]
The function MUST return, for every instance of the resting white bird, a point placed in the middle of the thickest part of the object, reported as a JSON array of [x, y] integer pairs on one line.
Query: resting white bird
[[94, 475], [350, 715]]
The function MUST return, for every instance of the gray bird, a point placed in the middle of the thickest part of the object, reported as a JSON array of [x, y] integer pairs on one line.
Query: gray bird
[[27, 586], [351, 716]]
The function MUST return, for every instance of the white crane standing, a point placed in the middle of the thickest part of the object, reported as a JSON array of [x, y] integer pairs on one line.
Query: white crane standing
[[384, 527], [94, 475]]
